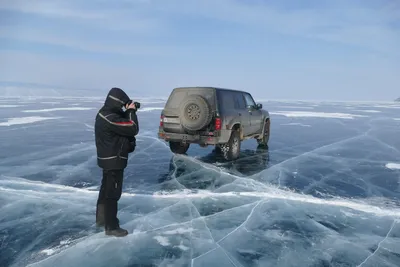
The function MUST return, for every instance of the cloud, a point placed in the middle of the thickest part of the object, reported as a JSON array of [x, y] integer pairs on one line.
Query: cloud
[[365, 24], [84, 43], [346, 23], [95, 13], [94, 26], [59, 9], [362, 25]]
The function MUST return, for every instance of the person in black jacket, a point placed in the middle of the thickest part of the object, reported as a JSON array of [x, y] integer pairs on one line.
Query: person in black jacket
[[115, 132]]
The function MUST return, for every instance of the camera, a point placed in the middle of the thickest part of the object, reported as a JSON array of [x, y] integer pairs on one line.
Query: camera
[[137, 104]]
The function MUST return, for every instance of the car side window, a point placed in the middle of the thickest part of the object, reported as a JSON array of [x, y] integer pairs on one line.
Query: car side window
[[226, 100], [249, 100], [239, 101]]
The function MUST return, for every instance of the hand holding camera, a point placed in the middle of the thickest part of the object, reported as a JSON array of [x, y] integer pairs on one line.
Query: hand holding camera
[[132, 105]]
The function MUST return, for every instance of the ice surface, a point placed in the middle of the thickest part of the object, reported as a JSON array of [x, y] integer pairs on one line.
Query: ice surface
[[325, 193], [57, 109], [25, 120], [394, 106]]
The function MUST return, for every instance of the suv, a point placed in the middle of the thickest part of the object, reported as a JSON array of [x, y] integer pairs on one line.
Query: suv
[[212, 116]]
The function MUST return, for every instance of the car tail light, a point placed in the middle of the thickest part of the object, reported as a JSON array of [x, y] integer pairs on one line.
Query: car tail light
[[161, 120], [217, 124]]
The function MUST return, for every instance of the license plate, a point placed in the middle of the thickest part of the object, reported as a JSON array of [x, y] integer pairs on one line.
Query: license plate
[[171, 120]]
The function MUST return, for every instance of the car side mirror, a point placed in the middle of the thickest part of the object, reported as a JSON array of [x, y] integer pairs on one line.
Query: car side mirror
[[259, 106]]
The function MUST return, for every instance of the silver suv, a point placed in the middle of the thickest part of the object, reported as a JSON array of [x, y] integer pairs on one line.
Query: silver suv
[[212, 116]]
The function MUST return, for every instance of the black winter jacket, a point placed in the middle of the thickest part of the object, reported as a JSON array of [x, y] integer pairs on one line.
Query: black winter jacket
[[115, 131]]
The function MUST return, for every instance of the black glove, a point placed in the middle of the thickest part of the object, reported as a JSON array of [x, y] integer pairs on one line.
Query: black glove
[[132, 145]]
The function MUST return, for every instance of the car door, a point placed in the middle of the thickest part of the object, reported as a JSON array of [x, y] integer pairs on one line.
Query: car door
[[240, 106], [227, 108], [254, 113]]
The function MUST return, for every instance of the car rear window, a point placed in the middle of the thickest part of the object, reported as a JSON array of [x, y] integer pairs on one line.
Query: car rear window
[[231, 100]]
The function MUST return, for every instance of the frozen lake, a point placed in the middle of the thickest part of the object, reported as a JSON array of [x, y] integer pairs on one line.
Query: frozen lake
[[325, 193]]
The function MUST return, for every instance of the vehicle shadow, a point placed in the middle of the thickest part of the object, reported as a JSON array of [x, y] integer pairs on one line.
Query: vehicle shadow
[[250, 162]]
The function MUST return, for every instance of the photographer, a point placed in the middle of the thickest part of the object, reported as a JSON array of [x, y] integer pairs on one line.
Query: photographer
[[115, 132]]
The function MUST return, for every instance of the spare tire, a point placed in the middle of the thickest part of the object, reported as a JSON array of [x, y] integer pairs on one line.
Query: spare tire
[[194, 113]]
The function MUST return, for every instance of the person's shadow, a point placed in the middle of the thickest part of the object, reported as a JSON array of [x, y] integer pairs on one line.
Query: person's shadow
[[249, 163]]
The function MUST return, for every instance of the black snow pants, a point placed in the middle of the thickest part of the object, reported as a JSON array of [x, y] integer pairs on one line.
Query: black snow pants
[[109, 195]]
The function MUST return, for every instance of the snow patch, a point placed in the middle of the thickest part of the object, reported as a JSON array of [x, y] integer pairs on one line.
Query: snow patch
[[25, 120], [316, 114], [368, 110], [393, 166], [10, 106], [42, 188], [51, 103], [163, 241], [56, 249], [57, 109], [296, 107], [48, 252], [278, 194], [182, 247], [150, 109], [296, 124]]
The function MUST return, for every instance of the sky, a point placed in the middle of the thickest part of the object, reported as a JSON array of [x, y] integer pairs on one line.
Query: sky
[[309, 50]]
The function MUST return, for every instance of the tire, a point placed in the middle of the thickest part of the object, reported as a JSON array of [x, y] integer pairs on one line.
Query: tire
[[263, 141], [178, 147], [231, 150], [195, 113]]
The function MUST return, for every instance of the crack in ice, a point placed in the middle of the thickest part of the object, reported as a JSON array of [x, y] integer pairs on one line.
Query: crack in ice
[[315, 150], [379, 244], [230, 233], [209, 231]]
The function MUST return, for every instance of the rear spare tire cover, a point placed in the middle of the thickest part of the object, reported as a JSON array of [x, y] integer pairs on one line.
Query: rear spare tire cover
[[194, 113]]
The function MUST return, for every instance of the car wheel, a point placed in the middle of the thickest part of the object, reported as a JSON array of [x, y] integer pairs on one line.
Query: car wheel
[[231, 150], [195, 113], [178, 147], [264, 138]]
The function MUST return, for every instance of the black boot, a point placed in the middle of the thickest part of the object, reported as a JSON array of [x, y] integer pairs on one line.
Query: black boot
[[100, 215], [119, 232]]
